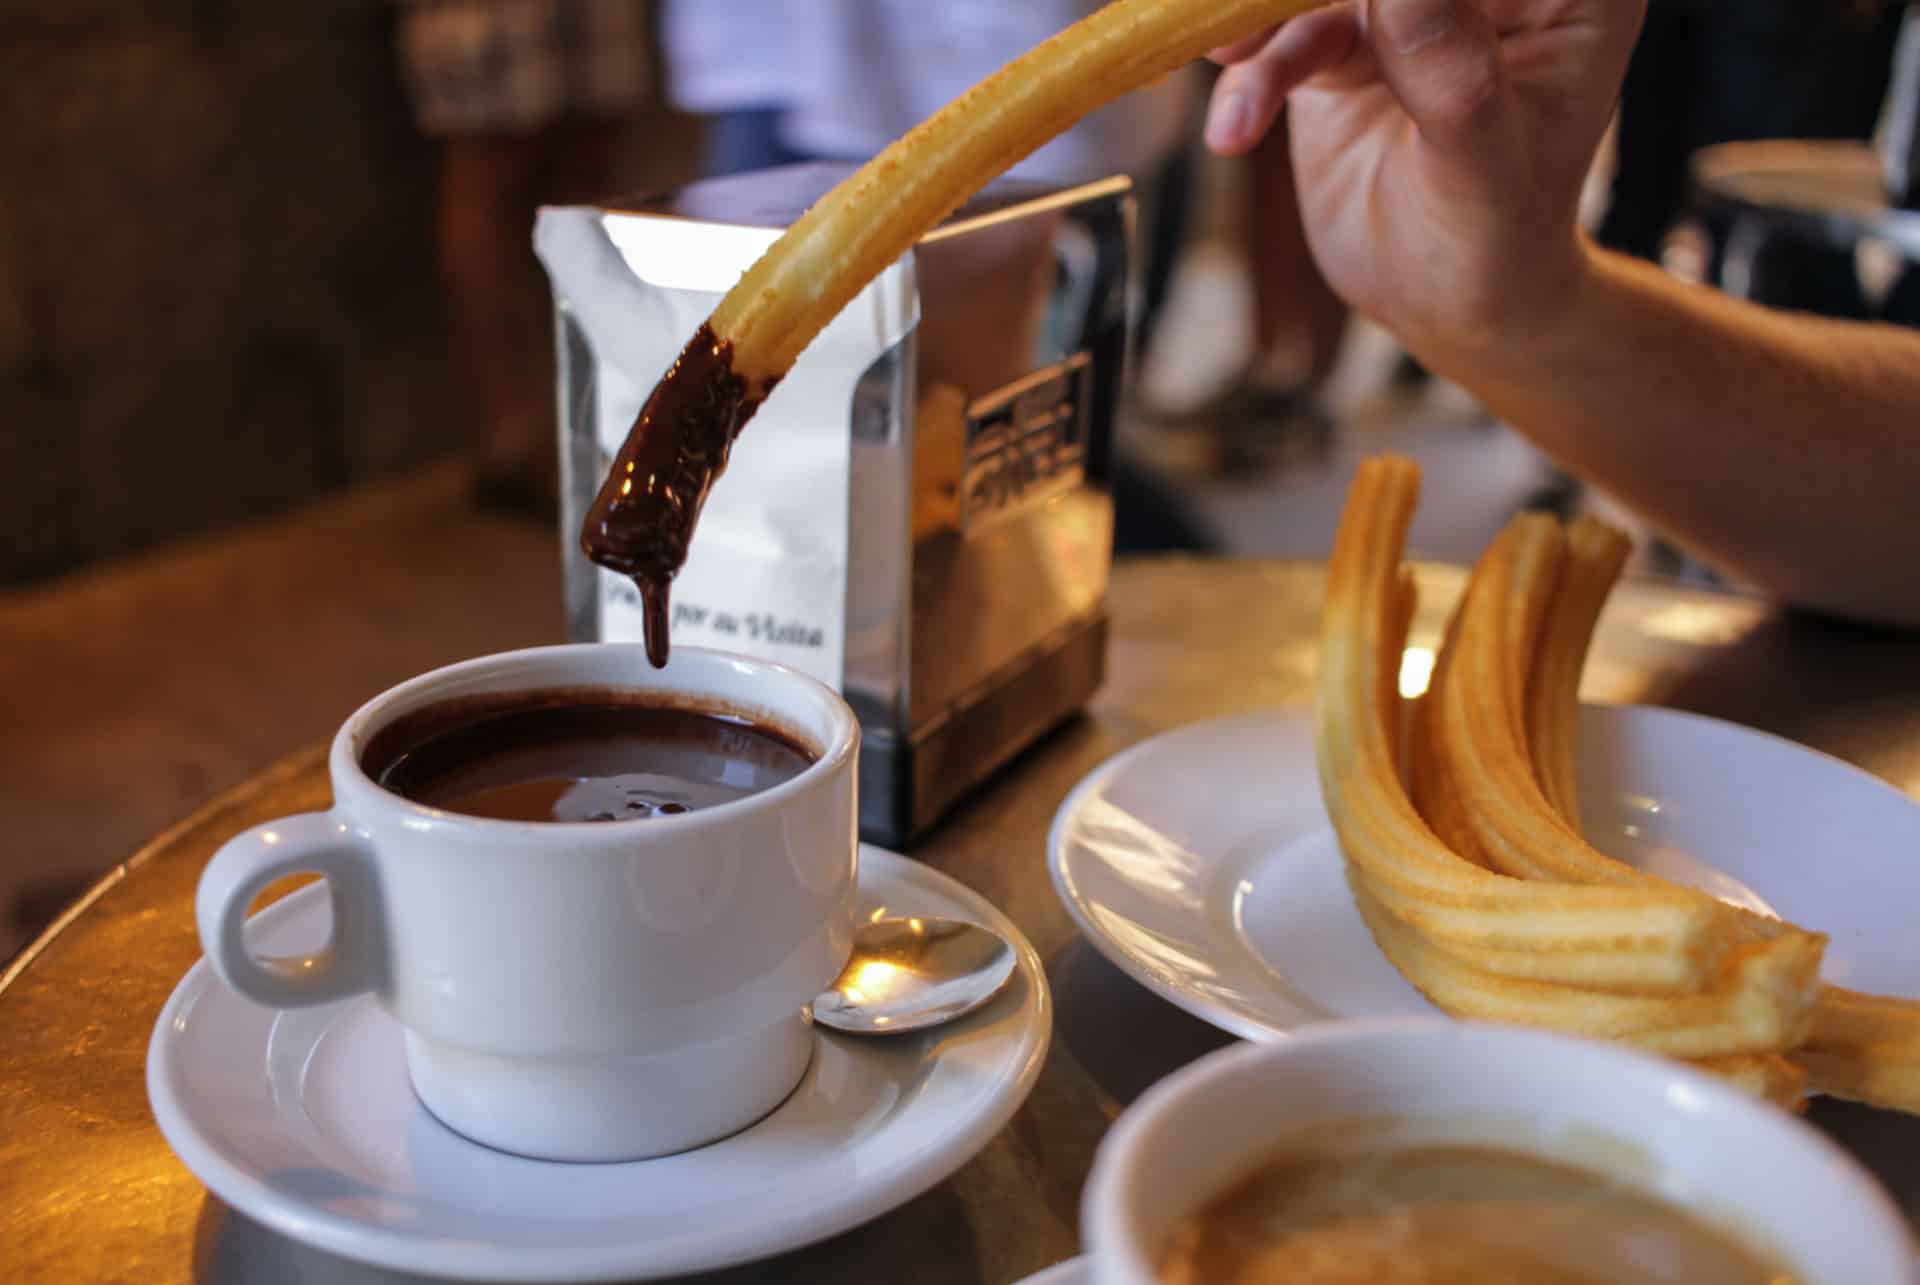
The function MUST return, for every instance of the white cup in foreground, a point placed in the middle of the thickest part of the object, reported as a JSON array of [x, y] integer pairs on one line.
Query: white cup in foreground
[[585, 990], [1699, 1146]]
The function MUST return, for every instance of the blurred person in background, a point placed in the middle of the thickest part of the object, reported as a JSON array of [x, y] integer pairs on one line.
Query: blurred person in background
[[841, 79], [527, 99], [1299, 321], [1271, 407]]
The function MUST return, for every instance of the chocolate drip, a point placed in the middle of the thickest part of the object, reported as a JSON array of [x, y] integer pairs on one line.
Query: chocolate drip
[[656, 614], [643, 518]]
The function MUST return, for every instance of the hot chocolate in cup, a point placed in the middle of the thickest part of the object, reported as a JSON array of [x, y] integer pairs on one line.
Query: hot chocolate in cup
[[580, 988], [1613, 1157]]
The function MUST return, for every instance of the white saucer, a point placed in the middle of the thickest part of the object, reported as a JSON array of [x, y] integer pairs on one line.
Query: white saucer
[[1202, 862], [1075, 1271], [304, 1121]]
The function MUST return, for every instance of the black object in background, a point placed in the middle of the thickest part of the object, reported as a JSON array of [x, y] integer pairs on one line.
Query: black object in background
[[1903, 118]]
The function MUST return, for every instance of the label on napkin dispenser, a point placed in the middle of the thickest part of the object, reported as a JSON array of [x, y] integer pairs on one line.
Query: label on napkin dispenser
[[1026, 443]]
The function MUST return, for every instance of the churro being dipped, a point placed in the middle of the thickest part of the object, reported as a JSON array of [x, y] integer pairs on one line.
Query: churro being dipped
[[641, 522]]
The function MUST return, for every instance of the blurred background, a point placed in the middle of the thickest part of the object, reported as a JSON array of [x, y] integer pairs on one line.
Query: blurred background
[[276, 394]]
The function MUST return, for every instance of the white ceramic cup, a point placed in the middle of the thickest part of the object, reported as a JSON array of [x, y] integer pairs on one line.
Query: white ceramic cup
[[575, 991], [1689, 1138]]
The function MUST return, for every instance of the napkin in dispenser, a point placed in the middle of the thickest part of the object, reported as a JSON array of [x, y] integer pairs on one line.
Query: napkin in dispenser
[[918, 515]]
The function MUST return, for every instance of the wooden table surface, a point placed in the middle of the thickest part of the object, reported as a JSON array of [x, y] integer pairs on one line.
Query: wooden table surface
[[90, 1192]]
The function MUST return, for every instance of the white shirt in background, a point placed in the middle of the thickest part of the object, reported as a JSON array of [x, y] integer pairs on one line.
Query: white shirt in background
[[851, 76]]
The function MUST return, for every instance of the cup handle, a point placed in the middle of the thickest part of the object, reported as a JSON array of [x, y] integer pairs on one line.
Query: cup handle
[[318, 843]]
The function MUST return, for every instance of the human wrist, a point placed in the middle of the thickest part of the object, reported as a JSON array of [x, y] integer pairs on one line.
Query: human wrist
[[1543, 316]]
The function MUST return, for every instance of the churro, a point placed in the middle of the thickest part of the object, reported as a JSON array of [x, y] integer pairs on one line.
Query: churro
[[1748, 1014], [1434, 797], [1596, 553], [1858, 1045], [1382, 834], [1671, 970], [1489, 768], [643, 518], [1771, 1077], [1881, 1075], [1491, 802], [1865, 1048]]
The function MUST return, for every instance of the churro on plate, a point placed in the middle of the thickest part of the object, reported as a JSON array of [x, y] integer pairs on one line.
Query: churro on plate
[[1462, 833]]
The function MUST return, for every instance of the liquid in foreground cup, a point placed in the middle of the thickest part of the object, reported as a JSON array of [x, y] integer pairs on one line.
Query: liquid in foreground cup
[[1701, 1146], [575, 991]]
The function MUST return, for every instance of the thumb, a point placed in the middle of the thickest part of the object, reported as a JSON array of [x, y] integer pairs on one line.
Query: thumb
[[1442, 60]]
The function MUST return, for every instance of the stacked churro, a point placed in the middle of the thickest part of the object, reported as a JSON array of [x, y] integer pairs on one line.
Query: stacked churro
[[1469, 868]]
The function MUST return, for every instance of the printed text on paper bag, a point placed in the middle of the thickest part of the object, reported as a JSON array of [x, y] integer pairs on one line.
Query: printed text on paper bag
[[745, 628], [755, 626]]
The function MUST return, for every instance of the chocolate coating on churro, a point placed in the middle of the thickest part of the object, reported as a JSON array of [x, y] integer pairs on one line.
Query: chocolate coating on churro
[[642, 520]]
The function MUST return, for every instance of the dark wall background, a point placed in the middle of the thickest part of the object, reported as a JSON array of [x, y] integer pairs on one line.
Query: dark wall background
[[217, 295]]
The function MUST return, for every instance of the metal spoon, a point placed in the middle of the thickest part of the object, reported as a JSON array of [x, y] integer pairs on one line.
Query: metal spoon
[[909, 974]]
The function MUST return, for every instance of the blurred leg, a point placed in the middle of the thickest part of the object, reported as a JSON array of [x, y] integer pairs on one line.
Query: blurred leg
[[1656, 132], [1151, 515], [526, 97], [580, 162], [1298, 320], [495, 292], [1166, 215]]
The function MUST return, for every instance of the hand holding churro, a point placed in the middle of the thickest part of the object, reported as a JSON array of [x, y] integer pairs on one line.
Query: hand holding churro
[[1439, 150]]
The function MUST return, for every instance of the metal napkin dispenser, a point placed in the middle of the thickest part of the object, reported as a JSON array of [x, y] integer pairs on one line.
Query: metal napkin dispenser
[[919, 514]]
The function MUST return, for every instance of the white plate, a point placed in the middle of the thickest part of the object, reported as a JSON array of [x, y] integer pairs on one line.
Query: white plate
[[304, 1121], [1202, 862]]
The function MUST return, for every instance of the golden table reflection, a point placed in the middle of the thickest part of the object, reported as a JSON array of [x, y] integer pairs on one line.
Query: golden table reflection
[[90, 1192]]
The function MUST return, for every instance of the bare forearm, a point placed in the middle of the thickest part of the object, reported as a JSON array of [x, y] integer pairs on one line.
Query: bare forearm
[[1439, 150], [1783, 448]]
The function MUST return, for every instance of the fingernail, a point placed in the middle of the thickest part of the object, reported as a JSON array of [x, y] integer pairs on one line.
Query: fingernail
[[1230, 120], [1411, 25]]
